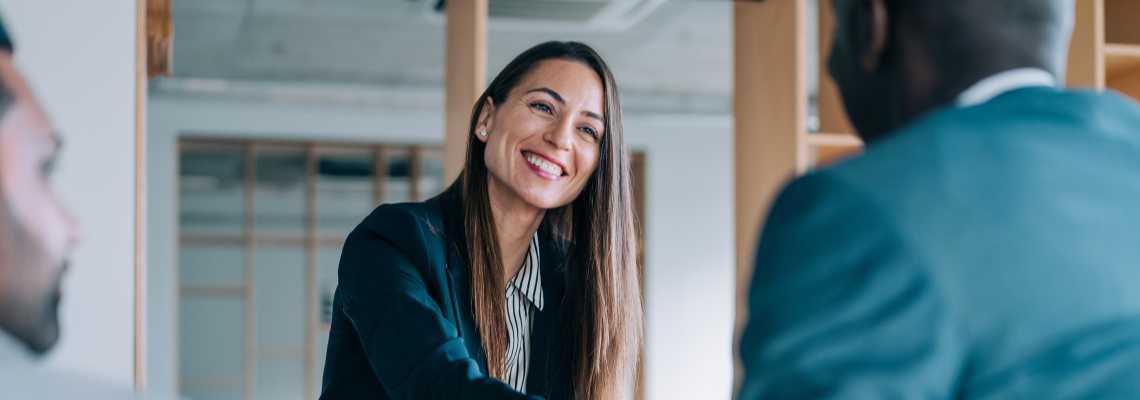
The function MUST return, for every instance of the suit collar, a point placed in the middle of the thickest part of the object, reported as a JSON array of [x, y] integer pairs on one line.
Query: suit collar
[[547, 361], [452, 206]]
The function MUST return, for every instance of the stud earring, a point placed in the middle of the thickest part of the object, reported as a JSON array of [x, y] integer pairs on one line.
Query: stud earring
[[483, 133]]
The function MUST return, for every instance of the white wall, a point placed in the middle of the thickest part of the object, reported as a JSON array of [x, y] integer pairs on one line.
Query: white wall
[[690, 277], [79, 57], [690, 262]]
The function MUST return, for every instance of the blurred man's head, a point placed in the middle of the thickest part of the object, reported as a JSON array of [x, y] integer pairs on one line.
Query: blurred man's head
[[36, 230], [897, 59]]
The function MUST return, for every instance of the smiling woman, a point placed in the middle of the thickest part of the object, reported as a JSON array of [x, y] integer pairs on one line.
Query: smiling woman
[[521, 278]]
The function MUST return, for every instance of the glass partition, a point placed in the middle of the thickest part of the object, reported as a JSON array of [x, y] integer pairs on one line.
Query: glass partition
[[261, 229]]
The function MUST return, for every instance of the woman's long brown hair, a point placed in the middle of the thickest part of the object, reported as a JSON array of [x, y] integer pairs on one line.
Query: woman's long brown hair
[[602, 324]]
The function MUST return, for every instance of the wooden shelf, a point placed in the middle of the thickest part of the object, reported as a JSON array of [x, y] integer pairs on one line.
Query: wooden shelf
[[833, 140], [1121, 59]]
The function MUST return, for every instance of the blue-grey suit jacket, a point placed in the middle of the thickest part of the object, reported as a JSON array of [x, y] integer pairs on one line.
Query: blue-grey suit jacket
[[988, 252], [402, 325]]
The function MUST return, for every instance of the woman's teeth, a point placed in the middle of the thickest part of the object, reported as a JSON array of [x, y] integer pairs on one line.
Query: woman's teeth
[[545, 166]]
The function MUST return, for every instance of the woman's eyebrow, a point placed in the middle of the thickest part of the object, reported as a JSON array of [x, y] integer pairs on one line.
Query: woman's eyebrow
[[552, 93], [558, 97]]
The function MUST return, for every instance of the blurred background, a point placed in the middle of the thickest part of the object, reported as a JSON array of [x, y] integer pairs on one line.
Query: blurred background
[[218, 152]]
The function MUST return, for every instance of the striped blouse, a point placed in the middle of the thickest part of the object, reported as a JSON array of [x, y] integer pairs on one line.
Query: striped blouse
[[524, 299]]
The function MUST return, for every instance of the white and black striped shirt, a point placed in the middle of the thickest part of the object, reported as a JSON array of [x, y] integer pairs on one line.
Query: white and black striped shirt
[[524, 299]]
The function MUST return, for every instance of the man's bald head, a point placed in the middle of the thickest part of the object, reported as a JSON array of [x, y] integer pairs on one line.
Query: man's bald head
[[897, 59], [964, 35]]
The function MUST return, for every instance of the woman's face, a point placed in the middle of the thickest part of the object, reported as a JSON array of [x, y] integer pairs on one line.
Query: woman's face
[[542, 142]]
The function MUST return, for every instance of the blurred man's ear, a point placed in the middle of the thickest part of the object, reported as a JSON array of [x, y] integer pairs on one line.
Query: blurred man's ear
[[873, 33]]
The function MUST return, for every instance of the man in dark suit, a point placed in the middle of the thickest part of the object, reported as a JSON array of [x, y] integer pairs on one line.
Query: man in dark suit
[[986, 245]]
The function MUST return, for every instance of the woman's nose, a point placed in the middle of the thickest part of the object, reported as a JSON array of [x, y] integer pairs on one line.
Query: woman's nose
[[561, 135]]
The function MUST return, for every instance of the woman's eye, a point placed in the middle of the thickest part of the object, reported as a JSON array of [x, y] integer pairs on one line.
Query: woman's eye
[[543, 107], [590, 131]]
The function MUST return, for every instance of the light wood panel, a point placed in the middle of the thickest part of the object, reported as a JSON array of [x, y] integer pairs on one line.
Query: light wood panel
[[1086, 51], [1128, 84], [1122, 21], [770, 103], [833, 140], [311, 311], [379, 174], [1121, 59], [827, 155], [141, 76], [249, 277], [159, 35], [465, 78], [1105, 49], [1122, 47]]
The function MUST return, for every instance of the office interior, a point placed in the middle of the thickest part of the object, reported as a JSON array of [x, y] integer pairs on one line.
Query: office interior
[[219, 151]]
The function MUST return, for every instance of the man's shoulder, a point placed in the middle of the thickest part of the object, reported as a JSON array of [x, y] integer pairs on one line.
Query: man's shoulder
[[949, 150]]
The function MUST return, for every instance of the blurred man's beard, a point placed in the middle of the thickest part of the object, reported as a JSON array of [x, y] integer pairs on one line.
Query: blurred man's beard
[[25, 313]]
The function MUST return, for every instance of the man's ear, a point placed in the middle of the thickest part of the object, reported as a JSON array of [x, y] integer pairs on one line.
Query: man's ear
[[483, 126], [874, 29]]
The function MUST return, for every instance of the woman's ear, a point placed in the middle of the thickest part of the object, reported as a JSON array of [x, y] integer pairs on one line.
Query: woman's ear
[[873, 26], [483, 127]]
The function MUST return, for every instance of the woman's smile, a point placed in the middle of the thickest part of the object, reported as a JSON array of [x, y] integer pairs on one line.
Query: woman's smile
[[543, 166]]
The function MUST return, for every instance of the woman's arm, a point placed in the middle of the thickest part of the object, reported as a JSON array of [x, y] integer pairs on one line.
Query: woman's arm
[[414, 351]]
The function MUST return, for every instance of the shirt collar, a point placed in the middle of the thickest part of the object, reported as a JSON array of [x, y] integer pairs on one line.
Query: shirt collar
[[528, 280], [1003, 82]]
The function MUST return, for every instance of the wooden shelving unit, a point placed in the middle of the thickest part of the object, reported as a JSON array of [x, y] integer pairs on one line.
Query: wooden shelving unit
[[1105, 51], [1121, 59], [772, 143]]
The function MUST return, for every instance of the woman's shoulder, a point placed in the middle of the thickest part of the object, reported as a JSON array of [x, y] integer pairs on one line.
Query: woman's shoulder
[[416, 229], [425, 215]]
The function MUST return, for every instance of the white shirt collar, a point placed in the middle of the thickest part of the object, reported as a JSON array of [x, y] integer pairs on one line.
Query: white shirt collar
[[1002, 82], [528, 280]]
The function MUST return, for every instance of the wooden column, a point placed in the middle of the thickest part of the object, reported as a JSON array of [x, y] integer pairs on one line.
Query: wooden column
[[249, 276], [141, 75], [1086, 51], [379, 174], [770, 110], [465, 78], [312, 307]]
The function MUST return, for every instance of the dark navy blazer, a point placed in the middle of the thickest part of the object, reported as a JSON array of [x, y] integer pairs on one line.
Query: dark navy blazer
[[402, 326], [987, 252]]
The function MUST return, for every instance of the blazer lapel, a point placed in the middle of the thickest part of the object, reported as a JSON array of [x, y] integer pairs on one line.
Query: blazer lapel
[[547, 373], [459, 271], [546, 362]]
